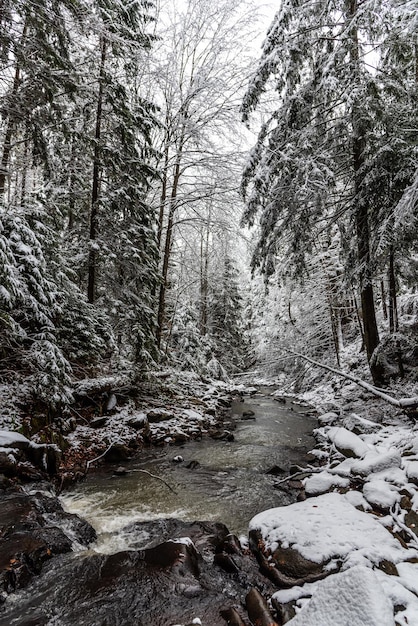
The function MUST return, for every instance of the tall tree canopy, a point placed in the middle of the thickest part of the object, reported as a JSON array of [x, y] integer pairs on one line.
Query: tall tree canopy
[[331, 69]]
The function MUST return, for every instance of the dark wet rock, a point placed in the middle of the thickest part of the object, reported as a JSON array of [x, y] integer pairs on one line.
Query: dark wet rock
[[286, 567], [178, 553], [405, 502], [8, 462], [280, 399], [98, 422], [171, 579], [285, 612], [232, 617], [258, 610], [118, 452], [159, 415], [120, 471], [205, 535], [225, 401], [31, 532], [226, 562], [231, 545], [221, 435], [411, 520], [5, 483], [180, 436], [193, 464], [295, 484], [139, 422], [388, 568], [276, 470], [248, 413], [301, 496]]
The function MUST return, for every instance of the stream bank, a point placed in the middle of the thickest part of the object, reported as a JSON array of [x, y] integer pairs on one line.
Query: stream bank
[[224, 563], [345, 552]]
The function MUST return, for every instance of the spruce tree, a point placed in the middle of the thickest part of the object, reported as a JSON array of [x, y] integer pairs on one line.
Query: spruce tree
[[308, 169]]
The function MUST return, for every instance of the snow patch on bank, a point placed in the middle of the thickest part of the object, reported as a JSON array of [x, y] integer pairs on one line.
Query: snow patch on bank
[[329, 527], [354, 597]]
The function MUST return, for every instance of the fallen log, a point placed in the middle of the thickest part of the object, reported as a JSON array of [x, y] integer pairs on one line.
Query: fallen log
[[402, 403]]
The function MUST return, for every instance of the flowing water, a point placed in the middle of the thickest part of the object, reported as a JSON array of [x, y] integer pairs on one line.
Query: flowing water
[[217, 480]]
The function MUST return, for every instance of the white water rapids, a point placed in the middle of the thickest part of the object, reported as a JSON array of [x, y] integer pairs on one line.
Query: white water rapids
[[228, 484]]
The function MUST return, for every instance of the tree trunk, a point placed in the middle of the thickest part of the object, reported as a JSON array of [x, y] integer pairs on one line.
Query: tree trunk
[[371, 334], [393, 304], [95, 192], [4, 162], [383, 295], [163, 197], [167, 251], [24, 174], [204, 283], [333, 321]]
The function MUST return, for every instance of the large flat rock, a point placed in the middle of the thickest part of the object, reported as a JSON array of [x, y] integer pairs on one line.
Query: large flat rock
[[306, 540]]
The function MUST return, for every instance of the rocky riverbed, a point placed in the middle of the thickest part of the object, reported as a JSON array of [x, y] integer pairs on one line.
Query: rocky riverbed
[[345, 552]]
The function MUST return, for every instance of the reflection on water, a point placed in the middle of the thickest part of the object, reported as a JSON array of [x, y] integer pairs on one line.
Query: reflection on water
[[229, 484]]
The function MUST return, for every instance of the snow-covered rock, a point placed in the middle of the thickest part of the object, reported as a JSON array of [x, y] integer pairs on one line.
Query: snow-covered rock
[[327, 419], [374, 461], [412, 470], [360, 425], [347, 442], [329, 531], [381, 494], [354, 597], [317, 484], [10, 439]]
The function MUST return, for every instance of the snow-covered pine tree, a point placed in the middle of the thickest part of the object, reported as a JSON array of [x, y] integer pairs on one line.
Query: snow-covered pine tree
[[36, 71], [225, 318], [308, 168], [122, 234], [29, 306], [102, 170]]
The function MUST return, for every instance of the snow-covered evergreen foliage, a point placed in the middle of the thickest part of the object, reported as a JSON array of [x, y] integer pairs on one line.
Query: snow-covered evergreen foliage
[[337, 150], [29, 306], [226, 323], [55, 169]]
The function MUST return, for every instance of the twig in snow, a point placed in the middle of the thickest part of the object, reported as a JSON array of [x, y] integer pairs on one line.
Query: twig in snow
[[394, 512], [99, 457], [308, 470], [79, 415]]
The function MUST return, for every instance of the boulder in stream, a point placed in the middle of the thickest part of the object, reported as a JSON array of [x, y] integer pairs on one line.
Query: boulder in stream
[[33, 528], [22, 458], [307, 541], [172, 578]]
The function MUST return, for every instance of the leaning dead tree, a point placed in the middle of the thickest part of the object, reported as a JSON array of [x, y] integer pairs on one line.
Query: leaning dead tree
[[407, 404]]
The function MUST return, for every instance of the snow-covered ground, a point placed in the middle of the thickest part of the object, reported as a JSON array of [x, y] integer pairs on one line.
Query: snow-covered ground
[[359, 522]]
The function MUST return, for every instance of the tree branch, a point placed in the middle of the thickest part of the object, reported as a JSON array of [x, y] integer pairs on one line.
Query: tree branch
[[402, 403]]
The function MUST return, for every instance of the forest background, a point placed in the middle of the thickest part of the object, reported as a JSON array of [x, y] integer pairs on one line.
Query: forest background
[[131, 204]]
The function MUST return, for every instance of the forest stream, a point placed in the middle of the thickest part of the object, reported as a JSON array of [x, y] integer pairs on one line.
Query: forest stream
[[225, 481], [216, 481]]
